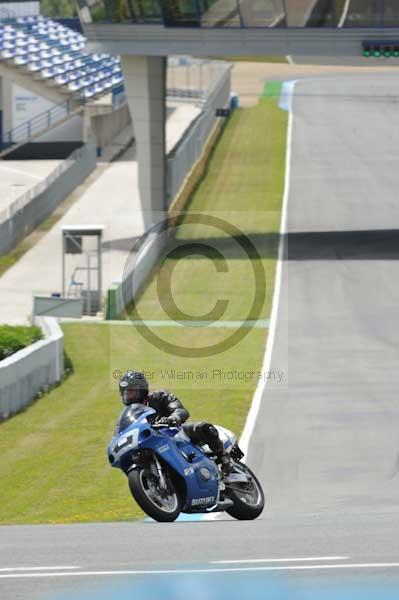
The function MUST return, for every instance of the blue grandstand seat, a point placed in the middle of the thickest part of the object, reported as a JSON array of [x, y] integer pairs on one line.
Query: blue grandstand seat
[[8, 53], [53, 52], [21, 60]]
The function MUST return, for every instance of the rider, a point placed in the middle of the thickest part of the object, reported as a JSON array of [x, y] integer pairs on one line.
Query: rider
[[133, 387]]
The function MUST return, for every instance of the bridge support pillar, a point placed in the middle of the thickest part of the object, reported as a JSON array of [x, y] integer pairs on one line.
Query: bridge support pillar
[[145, 85]]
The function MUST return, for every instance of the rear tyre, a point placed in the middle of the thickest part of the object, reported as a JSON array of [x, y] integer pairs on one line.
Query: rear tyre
[[249, 499], [163, 506]]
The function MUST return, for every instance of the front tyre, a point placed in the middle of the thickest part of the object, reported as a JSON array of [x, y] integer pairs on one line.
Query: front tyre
[[162, 505], [248, 498]]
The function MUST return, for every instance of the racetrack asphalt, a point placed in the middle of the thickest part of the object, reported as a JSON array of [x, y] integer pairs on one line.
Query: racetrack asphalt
[[326, 441]]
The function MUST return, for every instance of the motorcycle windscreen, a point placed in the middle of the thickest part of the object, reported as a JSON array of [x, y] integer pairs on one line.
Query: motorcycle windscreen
[[131, 415]]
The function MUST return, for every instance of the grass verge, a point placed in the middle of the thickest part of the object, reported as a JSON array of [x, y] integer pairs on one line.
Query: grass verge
[[54, 466]]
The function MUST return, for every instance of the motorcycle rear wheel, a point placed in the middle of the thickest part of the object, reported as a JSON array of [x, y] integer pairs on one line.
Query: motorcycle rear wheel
[[148, 496], [243, 509]]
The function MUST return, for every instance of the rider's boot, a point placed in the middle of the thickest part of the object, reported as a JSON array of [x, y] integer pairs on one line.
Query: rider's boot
[[216, 445], [227, 463]]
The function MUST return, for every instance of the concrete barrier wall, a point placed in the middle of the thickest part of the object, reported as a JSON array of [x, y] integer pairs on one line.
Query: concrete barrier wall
[[106, 127], [27, 212], [28, 371], [136, 273]]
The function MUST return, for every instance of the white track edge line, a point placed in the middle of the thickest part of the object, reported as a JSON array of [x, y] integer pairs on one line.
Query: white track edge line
[[203, 571], [57, 568], [278, 560], [256, 401]]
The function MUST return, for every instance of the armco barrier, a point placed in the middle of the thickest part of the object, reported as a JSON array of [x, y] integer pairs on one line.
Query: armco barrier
[[28, 211], [25, 373]]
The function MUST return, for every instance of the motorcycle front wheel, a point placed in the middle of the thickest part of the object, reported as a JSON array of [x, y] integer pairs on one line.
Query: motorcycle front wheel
[[162, 505], [248, 498]]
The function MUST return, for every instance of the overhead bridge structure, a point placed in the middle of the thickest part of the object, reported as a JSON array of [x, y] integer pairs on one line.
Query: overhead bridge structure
[[144, 33]]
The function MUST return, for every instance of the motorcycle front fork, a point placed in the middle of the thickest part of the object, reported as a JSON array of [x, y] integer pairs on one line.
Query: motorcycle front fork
[[159, 473], [221, 490]]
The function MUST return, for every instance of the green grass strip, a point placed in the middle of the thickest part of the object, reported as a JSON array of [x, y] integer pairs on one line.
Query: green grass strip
[[272, 89]]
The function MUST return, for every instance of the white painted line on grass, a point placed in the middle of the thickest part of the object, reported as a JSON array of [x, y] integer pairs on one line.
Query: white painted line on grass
[[248, 323], [201, 571], [253, 412], [59, 568], [278, 560]]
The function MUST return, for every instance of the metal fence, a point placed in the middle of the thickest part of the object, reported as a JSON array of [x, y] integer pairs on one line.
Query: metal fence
[[38, 124], [192, 77], [187, 78], [30, 209], [216, 94], [24, 374]]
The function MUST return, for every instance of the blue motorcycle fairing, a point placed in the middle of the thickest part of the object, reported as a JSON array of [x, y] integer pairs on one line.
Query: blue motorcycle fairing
[[199, 473]]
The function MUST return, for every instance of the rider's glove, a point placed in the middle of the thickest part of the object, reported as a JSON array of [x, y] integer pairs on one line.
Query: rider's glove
[[169, 421]]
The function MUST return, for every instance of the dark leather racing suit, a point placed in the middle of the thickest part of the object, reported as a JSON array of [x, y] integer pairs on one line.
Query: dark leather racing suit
[[167, 404]]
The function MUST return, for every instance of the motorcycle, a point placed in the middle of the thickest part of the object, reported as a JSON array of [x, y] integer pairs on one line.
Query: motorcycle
[[168, 474]]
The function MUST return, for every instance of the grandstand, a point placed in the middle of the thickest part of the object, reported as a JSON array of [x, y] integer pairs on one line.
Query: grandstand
[[51, 80], [55, 54]]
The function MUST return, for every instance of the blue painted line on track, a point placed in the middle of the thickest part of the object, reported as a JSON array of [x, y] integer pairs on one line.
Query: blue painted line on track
[[229, 586], [285, 101], [183, 518]]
